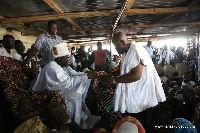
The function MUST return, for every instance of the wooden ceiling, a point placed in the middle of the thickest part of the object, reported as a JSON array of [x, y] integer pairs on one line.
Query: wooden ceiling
[[88, 21]]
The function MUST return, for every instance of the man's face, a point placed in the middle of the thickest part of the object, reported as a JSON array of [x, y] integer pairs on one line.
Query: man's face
[[58, 116], [149, 44], [165, 47], [10, 42], [118, 46], [99, 46], [53, 29], [64, 61]]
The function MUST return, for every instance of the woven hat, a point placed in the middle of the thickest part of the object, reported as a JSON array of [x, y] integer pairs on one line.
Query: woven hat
[[60, 50], [32, 125]]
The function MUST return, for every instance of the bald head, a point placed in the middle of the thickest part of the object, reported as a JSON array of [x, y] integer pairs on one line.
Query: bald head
[[121, 43], [120, 35], [57, 115]]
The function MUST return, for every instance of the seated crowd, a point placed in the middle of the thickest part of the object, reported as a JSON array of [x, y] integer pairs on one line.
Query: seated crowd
[[69, 94]]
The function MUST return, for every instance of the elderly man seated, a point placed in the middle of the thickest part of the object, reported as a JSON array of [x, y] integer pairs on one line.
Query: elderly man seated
[[71, 85]]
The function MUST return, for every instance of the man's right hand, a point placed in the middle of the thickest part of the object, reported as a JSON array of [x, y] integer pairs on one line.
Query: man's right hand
[[29, 54]]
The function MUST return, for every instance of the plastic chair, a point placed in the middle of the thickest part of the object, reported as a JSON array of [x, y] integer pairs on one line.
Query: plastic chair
[[159, 70], [172, 73], [184, 69]]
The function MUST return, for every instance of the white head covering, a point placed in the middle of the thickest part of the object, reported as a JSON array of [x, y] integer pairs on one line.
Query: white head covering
[[128, 124], [60, 50], [127, 127]]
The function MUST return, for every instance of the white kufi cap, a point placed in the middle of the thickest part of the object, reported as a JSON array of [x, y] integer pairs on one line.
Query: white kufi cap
[[60, 50]]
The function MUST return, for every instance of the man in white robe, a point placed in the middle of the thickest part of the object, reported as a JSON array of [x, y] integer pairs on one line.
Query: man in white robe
[[138, 86], [149, 49], [165, 55], [71, 85]]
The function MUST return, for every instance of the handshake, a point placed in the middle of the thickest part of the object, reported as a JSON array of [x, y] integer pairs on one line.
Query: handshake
[[94, 74], [102, 77]]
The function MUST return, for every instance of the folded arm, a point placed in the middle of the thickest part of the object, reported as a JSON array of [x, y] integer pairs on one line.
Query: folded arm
[[134, 75]]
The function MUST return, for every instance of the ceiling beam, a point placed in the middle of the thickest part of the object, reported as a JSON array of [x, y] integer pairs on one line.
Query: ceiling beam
[[145, 39], [189, 3], [128, 6], [102, 13], [87, 41], [133, 26], [2, 17], [81, 30], [80, 37], [30, 26], [180, 34], [55, 6], [164, 25]]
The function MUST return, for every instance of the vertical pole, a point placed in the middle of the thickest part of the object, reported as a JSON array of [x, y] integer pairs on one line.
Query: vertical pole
[[197, 57], [110, 46], [198, 42]]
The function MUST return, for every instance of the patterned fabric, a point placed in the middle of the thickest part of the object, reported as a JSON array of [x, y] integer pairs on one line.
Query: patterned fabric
[[15, 71], [129, 119], [45, 43], [181, 125], [14, 82], [197, 90], [26, 104], [104, 99]]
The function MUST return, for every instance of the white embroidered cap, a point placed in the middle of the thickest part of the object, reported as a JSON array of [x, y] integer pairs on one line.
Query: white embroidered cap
[[60, 50], [128, 124], [127, 127]]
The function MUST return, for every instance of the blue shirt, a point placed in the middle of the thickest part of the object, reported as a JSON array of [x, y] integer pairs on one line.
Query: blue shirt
[[45, 43]]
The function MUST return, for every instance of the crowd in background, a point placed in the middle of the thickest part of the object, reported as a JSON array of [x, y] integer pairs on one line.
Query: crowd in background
[[180, 97]]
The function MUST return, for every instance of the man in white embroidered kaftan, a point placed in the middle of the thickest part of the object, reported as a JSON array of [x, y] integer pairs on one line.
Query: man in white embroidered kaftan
[[71, 85], [138, 86]]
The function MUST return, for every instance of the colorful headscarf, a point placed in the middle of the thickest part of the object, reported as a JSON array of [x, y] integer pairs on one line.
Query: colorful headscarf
[[181, 125], [12, 70]]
